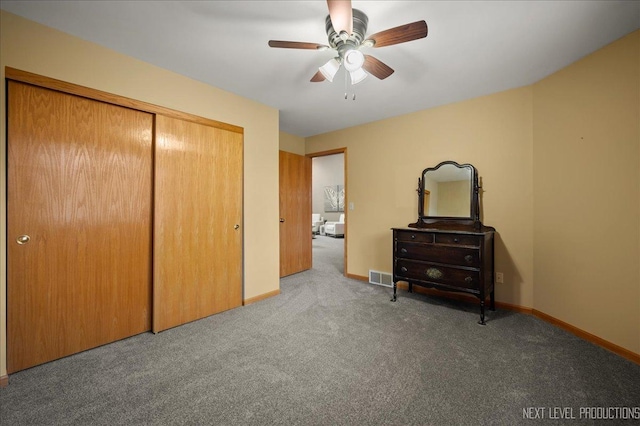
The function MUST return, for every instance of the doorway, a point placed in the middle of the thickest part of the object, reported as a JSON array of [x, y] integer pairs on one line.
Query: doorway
[[330, 200]]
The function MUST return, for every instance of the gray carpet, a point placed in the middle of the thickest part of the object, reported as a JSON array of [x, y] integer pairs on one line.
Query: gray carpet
[[330, 351]]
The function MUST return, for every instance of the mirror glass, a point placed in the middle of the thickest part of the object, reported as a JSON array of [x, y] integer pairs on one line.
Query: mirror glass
[[448, 191]]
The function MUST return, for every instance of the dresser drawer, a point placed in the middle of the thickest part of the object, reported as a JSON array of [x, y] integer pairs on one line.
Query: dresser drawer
[[419, 237], [423, 271], [458, 239], [460, 256]]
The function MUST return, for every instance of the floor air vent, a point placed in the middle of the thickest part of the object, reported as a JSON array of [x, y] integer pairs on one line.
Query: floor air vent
[[380, 278]]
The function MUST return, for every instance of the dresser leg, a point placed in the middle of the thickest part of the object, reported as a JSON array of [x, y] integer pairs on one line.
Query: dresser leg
[[481, 322], [395, 286]]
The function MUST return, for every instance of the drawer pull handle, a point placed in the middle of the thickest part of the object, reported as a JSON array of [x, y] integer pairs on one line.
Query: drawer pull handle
[[468, 258], [403, 250], [434, 273], [468, 280], [455, 240], [413, 237], [403, 269]]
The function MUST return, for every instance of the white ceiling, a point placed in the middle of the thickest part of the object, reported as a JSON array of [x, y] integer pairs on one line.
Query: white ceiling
[[473, 48]]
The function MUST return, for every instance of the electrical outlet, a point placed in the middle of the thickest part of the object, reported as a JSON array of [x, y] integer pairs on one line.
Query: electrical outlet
[[500, 277]]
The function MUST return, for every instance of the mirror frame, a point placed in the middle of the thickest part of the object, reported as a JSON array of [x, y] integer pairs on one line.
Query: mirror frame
[[474, 211]]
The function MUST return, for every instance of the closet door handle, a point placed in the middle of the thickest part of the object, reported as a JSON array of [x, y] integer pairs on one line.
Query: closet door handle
[[281, 220], [23, 239], [236, 226]]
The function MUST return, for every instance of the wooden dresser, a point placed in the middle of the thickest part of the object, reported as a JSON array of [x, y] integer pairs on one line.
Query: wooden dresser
[[450, 260], [447, 248]]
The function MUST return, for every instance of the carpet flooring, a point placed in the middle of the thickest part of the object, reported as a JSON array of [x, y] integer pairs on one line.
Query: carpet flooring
[[332, 351]]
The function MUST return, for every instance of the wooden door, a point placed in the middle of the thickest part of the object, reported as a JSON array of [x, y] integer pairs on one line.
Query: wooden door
[[197, 222], [79, 186], [295, 213]]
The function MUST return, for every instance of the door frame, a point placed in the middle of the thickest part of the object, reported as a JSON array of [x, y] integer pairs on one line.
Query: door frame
[[346, 194]]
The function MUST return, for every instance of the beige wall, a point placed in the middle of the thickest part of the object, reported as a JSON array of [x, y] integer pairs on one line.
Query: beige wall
[[453, 198], [587, 193], [32, 47], [575, 137], [291, 143], [494, 133]]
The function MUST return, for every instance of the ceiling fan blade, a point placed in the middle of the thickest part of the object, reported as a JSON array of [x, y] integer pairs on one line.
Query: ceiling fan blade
[[317, 77], [376, 67], [296, 45], [341, 15], [401, 34]]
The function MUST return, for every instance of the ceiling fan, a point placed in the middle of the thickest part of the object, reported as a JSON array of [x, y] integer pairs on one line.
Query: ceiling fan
[[346, 28]]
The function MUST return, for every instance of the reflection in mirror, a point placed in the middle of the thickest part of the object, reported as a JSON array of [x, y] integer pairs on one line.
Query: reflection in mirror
[[426, 198], [447, 192]]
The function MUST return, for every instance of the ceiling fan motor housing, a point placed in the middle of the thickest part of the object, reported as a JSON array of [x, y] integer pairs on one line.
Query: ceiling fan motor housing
[[360, 22]]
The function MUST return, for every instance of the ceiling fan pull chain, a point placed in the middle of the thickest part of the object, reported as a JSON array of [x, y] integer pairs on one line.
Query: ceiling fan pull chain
[[346, 88], [346, 94], [354, 91]]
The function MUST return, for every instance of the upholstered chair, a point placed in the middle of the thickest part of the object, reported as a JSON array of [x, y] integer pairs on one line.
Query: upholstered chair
[[335, 229], [316, 222]]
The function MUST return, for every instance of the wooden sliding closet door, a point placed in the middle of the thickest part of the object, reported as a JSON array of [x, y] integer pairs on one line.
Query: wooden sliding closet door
[[79, 224], [197, 222]]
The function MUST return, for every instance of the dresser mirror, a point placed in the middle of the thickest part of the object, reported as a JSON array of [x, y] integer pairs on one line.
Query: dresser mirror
[[448, 192]]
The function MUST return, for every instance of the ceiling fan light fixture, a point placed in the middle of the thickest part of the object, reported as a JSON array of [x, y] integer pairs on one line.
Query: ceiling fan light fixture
[[353, 60], [330, 69], [357, 76]]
